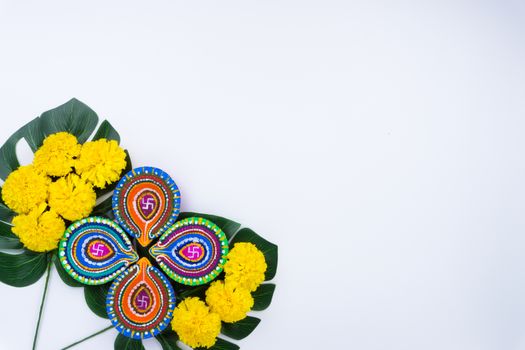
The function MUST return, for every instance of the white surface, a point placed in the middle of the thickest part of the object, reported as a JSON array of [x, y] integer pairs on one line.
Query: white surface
[[379, 144]]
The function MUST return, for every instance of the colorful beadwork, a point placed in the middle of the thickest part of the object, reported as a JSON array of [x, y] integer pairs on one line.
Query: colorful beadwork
[[146, 202], [95, 250], [192, 251], [140, 302]]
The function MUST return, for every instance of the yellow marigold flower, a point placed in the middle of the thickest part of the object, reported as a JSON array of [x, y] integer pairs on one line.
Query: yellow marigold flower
[[195, 324], [245, 266], [57, 155], [230, 302], [101, 162], [24, 189], [40, 230], [72, 197]]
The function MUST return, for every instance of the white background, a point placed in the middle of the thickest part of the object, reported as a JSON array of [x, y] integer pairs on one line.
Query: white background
[[379, 143]]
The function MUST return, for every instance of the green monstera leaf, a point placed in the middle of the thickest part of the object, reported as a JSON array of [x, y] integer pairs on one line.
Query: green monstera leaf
[[106, 131], [6, 214], [222, 344], [76, 118], [263, 296], [96, 299], [24, 269], [168, 340], [8, 159], [240, 329]]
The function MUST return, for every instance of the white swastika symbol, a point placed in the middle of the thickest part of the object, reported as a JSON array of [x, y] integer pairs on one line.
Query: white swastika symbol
[[98, 249], [194, 252], [148, 203], [142, 302]]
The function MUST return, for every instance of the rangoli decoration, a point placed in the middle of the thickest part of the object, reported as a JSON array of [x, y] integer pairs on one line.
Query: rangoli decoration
[[150, 269]]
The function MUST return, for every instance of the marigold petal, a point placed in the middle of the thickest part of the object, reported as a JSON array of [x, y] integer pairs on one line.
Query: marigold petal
[[101, 162], [57, 155], [246, 266], [39, 230], [232, 303], [72, 197], [24, 189], [195, 325]]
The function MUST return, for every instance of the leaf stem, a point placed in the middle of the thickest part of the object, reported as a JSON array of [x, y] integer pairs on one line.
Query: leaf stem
[[42, 303], [87, 338]]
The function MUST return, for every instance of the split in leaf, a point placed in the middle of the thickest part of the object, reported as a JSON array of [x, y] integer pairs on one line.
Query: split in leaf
[[8, 240], [6, 214], [8, 158]]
